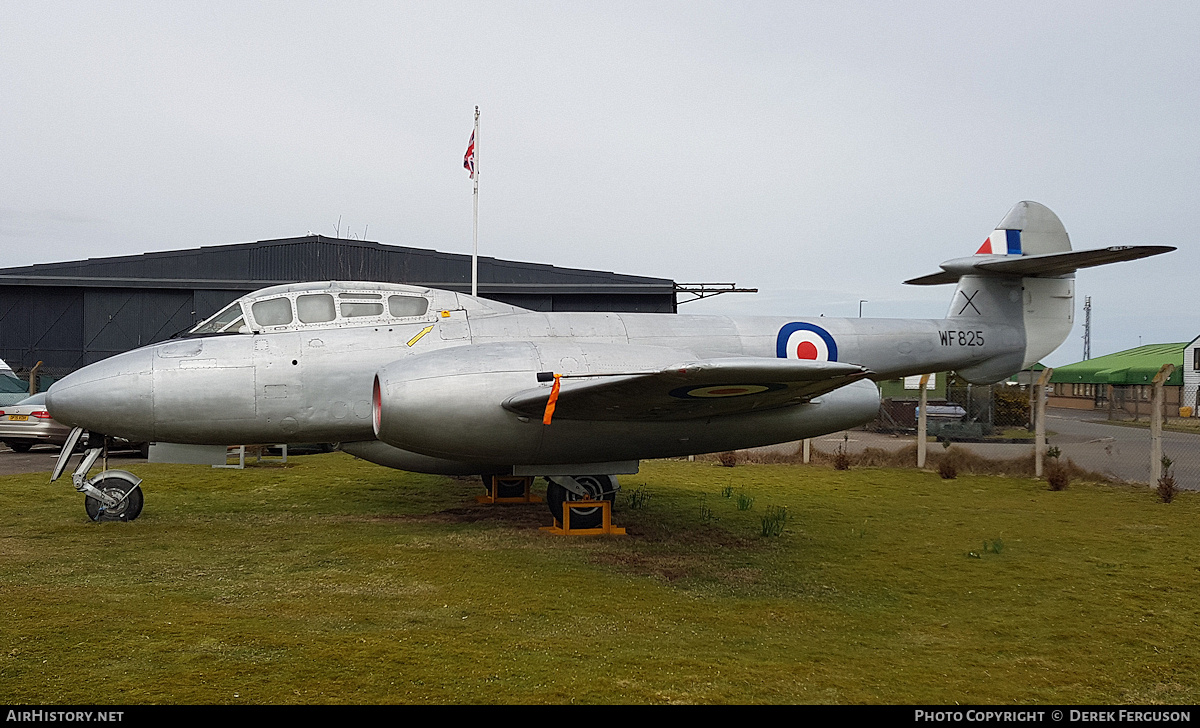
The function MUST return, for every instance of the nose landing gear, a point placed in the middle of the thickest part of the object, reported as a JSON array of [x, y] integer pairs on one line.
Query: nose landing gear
[[112, 495]]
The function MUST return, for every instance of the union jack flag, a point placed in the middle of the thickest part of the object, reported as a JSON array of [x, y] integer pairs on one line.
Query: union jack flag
[[469, 157]]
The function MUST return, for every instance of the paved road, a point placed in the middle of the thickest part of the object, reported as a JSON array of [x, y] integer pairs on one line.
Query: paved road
[[41, 459], [1122, 452]]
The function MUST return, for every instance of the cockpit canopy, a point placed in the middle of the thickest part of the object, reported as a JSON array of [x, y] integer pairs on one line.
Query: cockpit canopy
[[334, 304]]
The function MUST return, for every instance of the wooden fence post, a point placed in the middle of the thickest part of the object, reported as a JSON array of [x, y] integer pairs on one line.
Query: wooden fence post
[[1156, 423], [922, 422], [1039, 440], [33, 378]]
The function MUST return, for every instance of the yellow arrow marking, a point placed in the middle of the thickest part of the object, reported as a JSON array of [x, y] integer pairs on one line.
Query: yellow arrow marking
[[417, 338]]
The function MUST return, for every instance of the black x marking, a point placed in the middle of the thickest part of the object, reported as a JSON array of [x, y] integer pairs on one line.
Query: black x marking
[[969, 303]]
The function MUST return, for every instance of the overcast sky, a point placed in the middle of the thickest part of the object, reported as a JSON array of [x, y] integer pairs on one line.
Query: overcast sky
[[821, 152]]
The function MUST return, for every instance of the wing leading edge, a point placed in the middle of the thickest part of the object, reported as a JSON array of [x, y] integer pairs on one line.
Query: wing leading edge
[[690, 390]]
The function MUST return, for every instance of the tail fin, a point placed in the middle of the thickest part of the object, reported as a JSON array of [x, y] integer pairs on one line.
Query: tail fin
[[1027, 229], [1031, 241], [1023, 275]]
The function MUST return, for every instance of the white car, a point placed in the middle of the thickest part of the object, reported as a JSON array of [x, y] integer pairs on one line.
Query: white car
[[27, 423]]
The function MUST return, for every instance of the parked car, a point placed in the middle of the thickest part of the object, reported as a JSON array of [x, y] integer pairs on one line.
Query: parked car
[[27, 423]]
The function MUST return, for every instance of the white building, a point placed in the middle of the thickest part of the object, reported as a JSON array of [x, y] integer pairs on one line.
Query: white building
[[1191, 374]]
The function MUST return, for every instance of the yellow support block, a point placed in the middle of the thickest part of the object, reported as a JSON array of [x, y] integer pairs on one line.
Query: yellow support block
[[606, 529], [494, 489]]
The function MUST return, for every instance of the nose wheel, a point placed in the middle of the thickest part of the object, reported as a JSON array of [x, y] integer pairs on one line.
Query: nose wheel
[[127, 497], [113, 495]]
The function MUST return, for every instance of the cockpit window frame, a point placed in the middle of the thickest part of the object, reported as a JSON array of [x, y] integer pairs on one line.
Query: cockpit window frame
[[291, 302], [420, 315], [316, 298], [230, 327], [247, 323]]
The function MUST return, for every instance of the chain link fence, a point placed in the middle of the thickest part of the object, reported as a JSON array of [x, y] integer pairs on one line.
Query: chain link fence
[[1111, 439], [965, 413]]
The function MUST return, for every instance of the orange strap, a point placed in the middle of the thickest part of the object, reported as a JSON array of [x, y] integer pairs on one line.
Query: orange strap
[[550, 403]]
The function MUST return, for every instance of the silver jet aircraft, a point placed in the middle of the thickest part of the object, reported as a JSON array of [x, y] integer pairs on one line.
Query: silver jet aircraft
[[439, 382]]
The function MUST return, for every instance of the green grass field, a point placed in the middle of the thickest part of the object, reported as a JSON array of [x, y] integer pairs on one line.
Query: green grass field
[[334, 581]]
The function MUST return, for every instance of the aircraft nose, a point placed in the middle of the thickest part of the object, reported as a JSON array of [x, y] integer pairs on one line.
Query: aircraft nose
[[114, 396]]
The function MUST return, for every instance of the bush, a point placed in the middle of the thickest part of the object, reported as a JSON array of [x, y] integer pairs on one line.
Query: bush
[[1010, 407], [965, 462], [728, 459], [1057, 476], [947, 469], [1167, 489], [841, 460]]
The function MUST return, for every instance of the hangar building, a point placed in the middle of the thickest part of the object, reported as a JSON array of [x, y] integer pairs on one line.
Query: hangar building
[[74, 313]]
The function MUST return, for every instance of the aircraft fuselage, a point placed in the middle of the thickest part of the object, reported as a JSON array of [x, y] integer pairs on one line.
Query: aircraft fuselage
[[313, 382]]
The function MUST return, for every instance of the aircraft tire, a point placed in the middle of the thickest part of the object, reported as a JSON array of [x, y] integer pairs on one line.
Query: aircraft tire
[[129, 509], [506, 490], [599, 486]]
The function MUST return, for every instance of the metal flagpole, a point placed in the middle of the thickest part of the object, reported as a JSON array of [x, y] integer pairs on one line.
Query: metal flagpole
[[475, 231]]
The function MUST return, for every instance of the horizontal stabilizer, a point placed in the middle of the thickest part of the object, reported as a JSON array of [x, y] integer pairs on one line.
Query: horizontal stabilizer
[[934, 279], [1046, 264], [690, 390], [1056, 264]]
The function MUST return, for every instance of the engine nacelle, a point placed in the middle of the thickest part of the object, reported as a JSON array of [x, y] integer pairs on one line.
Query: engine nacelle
[[447, 403]]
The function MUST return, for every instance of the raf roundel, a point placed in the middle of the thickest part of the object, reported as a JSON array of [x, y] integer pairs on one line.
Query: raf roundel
[[720, 391], [799, 340]]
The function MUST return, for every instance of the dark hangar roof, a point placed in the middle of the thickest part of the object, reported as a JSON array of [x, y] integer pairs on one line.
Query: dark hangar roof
[[77, 312], [248, 266]]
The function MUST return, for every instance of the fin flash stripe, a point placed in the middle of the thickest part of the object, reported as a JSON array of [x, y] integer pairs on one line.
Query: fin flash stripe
[[1001, 242]]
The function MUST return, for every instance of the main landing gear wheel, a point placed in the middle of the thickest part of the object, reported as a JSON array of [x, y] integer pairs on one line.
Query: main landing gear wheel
[[127, 510], [514, 488], [597, 487]]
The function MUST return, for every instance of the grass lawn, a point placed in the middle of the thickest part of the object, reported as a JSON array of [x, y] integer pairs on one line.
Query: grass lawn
[[330, 580], [1021, 433]]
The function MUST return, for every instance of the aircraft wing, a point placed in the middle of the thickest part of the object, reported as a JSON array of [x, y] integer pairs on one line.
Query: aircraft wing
[[689, 390]]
